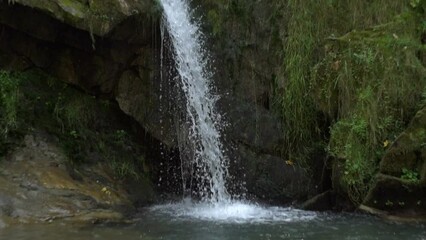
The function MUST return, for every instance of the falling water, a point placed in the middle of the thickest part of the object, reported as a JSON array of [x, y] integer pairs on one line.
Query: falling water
[[202, 119], [200, 134]]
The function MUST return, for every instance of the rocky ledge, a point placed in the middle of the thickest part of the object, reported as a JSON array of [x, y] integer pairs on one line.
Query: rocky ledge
[[37, 185]]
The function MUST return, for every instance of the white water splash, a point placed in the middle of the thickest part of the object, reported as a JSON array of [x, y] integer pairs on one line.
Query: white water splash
[[203, 121], [232, 212]]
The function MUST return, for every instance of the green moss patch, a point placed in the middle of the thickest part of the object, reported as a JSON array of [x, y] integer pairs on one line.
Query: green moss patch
[[370, 83], [89, 129]]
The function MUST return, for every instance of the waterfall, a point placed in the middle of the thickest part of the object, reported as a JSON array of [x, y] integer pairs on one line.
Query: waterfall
[[203, 122], [203, 161]]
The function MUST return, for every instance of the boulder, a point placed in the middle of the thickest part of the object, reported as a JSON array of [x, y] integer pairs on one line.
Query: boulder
[[408, 151], [36, 185], [270, 178], [252, 125], [399, 189], [396, 196]]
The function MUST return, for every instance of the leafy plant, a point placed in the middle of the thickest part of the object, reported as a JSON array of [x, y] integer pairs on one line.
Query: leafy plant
[[361, 84], [9, 101], [120, 136], [410, 175]]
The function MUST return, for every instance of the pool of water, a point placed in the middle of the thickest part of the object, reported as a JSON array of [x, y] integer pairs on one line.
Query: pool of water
[[227, 221]]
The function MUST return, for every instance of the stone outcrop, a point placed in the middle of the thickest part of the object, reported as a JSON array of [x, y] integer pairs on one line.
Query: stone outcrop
[[99, 17], [112, 49], [400, 187], [37, 185], [122, 65], [270, 178]]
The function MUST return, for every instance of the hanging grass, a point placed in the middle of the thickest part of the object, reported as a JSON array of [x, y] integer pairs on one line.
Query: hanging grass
[[370, 83], [309, 23]]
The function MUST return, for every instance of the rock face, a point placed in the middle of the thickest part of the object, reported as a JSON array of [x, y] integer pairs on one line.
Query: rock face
[[112, 49], [243, 36], [408, 151], [96, 16], [400, 187], [270, 178], [121, 65], [37, 186]]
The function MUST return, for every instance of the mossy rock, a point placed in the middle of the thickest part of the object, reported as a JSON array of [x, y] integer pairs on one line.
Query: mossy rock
[[96, 16], [395, 196], [38, 172], [408, 151], [400, 187]]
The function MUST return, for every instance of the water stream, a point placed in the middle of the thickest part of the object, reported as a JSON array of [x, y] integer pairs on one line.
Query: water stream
[[206, 159], [208, 162], [157, 225]]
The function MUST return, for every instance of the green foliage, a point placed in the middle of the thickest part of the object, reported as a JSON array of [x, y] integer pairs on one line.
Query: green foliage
[[84, 131], [74, 110], [352, 142], [9, 101], [308, 24], [423, 100], [216, 21], [414, 3], [124, 169], [370, 83], [410, 175], [226, 12], [87, 128], [297, 107]]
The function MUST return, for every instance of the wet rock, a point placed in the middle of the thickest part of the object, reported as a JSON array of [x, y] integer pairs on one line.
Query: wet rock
[[99, 66], [408, 150], [270, 178], [2, 224], [137, 97], [36, 186], [396, 196], [252, 125], [96, 16], [96, 216], [243, 51], [111, 49], [321, 202], [399, 189]]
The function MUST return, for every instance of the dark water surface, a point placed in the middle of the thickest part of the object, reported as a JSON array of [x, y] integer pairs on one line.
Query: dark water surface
[[238, 221]]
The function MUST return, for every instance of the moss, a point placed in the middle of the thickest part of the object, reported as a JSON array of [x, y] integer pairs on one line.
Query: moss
[[309, 24], [370, 83], [75, 8], [9, 100], [9, 107], [89, 129]]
